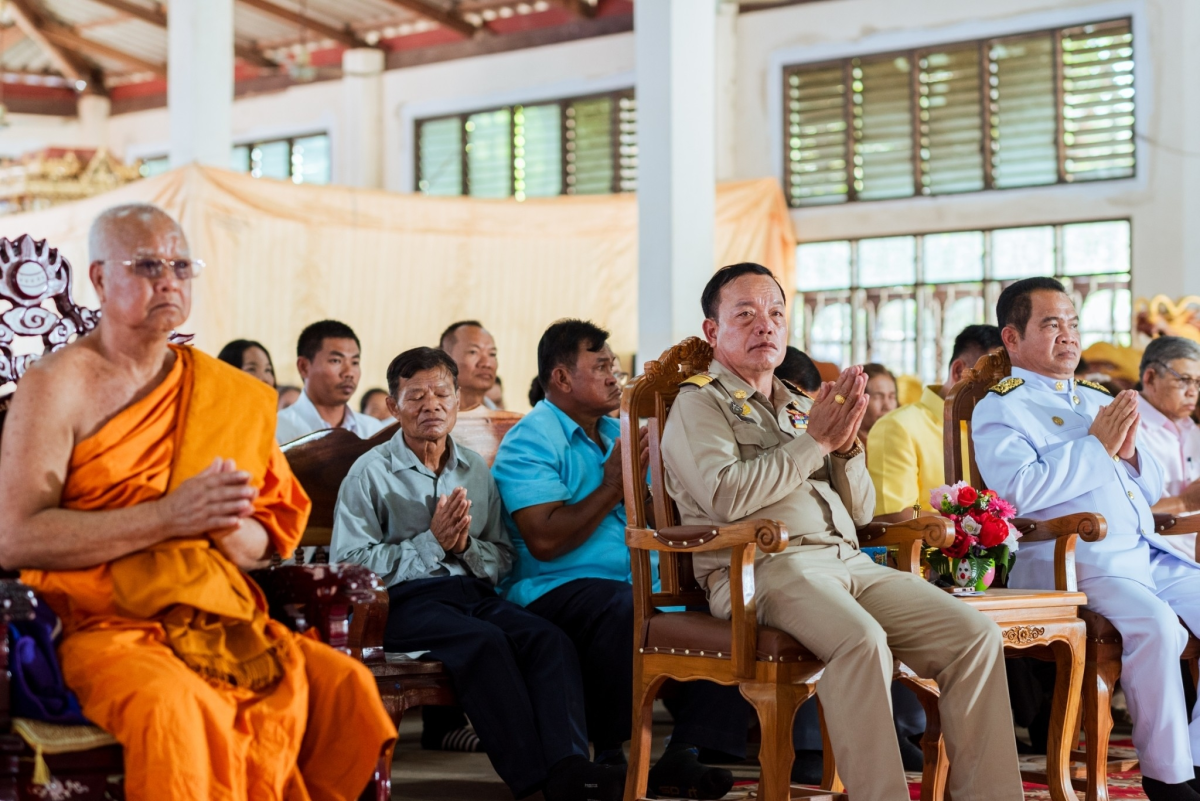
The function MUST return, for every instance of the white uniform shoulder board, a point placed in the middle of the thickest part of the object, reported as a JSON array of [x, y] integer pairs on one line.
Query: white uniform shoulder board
[[1007, 385], [1093, 385]]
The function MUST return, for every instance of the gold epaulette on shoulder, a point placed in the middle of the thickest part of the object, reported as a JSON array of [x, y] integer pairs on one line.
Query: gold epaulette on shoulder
[[1093, 385], [1007, 385], [698, 380]]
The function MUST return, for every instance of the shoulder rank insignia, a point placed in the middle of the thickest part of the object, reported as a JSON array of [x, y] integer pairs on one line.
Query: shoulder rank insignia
[[1007, 385], [1093, 385], [698, 380]]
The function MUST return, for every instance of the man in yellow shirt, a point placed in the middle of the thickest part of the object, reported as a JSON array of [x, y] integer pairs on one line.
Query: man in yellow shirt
[[905, 455]]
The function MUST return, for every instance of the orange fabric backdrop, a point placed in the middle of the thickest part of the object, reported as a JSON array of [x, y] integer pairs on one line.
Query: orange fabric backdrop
[[398, 268]]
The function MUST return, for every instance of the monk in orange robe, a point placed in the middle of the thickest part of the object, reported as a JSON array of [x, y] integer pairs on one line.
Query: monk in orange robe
[[138, 482]]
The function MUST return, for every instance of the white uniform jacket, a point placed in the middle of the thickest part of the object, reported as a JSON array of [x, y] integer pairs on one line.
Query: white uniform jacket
[[1033, 448]]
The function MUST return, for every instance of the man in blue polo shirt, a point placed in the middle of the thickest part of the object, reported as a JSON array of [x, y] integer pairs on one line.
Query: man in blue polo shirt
[[559, 474]]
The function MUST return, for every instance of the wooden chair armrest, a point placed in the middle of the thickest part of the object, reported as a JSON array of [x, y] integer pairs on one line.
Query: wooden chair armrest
[[1063, 532], [323, 596], [936, 532], [769, 536], [1090, 527], [1169, 525], [908, 537]]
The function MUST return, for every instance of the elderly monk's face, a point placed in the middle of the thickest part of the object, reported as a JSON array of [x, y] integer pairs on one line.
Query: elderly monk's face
[[131, 300], [475, 352], [426, 404], [750, 333]]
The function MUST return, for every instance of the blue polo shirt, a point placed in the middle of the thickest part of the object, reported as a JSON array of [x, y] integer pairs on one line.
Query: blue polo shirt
[[547, 457]]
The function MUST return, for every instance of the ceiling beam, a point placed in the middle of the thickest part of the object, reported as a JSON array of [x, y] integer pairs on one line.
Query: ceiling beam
[[158, 17], [252, 55], [446, 19], [579, 8], [155, 16], [70, 40], [31, 24], [343, 36]]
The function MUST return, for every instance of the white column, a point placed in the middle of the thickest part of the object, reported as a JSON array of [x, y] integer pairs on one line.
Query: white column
[[676, 171], [200, 81], [93, 111], [726, 90], [361, 148]]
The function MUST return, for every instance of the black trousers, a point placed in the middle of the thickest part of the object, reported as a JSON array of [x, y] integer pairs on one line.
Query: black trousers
[[597, 614], [516, 676]]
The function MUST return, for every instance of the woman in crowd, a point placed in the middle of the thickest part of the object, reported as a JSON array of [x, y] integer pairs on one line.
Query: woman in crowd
[[881, 389], [374, 403], [251, 357]]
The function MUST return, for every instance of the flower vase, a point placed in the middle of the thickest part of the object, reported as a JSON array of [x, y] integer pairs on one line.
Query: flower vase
[[976, 572]]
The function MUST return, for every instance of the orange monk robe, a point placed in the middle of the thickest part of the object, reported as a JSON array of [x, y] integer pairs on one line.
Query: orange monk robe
[[318, 730]]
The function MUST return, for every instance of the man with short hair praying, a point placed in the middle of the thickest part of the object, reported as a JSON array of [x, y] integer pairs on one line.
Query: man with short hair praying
[[739, 444], [559, 473], [423, 513], [1170, 373], [327, 356], [1053, 445], [139, 481], [905, 455], [474, 351]]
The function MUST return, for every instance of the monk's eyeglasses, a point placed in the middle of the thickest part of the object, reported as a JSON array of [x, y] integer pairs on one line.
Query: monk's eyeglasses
[[153, 267], [1187, 381]]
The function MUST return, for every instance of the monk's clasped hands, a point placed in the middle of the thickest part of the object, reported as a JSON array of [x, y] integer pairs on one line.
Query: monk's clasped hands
[[217, 499]]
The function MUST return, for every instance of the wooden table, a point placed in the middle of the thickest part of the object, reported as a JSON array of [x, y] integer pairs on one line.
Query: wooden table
[[1035, 623]]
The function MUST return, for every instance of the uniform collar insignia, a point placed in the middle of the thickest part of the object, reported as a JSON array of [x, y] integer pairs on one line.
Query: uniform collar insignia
[[1006, 386]]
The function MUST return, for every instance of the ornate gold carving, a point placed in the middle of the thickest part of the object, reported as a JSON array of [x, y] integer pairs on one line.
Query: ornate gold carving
[[54, 175], [689, 357], [1023, 635]]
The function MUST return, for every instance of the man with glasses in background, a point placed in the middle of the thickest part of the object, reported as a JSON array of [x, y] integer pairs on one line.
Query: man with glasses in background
[[1170, 372]]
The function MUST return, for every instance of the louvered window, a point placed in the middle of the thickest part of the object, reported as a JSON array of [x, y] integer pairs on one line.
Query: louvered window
[[572, 146], [1041, 108], [901, 300], [301, 160]]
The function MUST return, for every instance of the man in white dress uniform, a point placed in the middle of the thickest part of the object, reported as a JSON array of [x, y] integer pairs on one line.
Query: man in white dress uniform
[[1052, 446]]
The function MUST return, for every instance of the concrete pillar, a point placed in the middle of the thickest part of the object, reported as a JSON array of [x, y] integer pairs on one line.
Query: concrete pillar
[[200, 81], [676, 71], [94, 111], [726, 90], [361, 147]]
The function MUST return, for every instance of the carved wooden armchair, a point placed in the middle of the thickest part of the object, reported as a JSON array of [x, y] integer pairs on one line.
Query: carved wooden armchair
[[1102, 665], [773, 671], [83, 761]]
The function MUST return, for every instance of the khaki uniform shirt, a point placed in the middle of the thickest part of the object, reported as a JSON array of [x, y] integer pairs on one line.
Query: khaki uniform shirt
[[724, 466]]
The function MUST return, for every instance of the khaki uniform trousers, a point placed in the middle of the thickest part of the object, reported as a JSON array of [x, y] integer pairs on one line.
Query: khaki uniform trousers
[[854, 614]]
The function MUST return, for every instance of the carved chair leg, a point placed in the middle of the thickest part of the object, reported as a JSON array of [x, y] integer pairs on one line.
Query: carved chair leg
[[645, 690], [1069, 660], [830, 780], [936, 769], [1100, 675], [380, 786], [776, 705]]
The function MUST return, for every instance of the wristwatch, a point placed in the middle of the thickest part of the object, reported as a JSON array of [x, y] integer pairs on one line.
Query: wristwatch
[[850, 454]]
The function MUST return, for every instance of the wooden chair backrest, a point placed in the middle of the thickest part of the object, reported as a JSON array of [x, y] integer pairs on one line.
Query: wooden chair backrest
[[649, 397], [959, 446], [321, 460]]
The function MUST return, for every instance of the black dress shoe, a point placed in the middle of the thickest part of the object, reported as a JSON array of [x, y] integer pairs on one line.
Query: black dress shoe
[[808, 767], [1161, 791]]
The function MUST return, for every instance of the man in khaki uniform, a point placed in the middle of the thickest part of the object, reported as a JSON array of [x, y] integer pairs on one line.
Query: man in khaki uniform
[[740, 444]]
